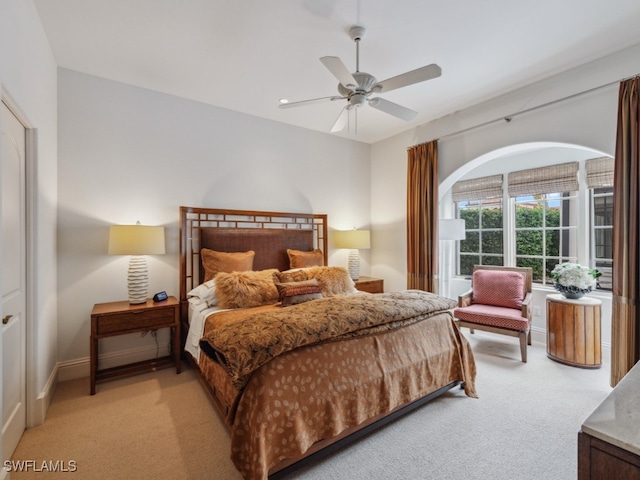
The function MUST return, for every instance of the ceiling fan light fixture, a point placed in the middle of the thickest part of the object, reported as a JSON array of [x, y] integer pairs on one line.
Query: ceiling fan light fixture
[[357, 99]]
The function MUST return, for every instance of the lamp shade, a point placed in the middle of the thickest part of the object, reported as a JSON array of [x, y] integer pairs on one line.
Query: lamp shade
[[451, 229], [136, 240], [352, 239]]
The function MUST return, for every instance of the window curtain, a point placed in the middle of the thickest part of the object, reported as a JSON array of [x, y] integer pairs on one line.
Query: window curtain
[[625, 321], [422, 217]]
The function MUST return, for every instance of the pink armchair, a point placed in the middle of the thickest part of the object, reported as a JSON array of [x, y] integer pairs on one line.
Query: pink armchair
[[498, 302]]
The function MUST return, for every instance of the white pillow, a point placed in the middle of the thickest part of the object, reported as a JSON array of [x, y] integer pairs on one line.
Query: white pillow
[[204, 293]]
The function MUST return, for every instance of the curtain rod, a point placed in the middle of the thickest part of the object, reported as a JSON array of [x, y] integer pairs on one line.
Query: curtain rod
[[508, 118]]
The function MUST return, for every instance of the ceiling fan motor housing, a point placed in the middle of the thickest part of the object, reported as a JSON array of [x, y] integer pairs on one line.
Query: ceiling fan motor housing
[[365, 82]]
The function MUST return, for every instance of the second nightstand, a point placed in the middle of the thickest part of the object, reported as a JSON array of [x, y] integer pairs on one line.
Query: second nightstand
[[370, 284], [120, 318]]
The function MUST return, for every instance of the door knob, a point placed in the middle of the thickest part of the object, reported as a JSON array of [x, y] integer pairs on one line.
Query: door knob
[[6, 319]]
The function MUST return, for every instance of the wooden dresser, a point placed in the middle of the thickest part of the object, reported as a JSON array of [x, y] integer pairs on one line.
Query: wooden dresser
[[609, 441]]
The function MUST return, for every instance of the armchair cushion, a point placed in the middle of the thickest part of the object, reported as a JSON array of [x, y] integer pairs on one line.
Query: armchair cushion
[[501, 317], [500, 288]]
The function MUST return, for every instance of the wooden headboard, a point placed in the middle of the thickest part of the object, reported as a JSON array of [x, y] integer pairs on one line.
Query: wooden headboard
[[269, 234]]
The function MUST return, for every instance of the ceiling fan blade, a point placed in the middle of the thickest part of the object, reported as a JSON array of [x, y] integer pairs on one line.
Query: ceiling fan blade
[[308, 102], [409, 78], [341, 121], [340, 71], [392, 108]]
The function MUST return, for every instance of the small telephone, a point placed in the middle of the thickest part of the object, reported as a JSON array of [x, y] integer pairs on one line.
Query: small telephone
[[160, 296]]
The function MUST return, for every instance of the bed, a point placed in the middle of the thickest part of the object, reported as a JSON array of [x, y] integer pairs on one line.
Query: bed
[[302, 373]]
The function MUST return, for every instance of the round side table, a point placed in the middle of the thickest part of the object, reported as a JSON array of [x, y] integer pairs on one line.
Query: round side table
[[573, 331]]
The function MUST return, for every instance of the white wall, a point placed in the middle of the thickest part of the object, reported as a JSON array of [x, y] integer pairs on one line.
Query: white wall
[[28, 75], [129, 154], [587, 120]]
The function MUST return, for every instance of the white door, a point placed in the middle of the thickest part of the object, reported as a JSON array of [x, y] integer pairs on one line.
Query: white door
[[12, 246]]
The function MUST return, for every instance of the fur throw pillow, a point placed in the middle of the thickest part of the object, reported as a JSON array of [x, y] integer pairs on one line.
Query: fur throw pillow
[[246, 289]]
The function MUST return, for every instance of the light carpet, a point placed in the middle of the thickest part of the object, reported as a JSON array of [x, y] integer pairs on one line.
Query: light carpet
[[161, 426]]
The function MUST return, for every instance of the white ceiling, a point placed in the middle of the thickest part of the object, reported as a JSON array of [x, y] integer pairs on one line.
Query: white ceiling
[[245, 55]]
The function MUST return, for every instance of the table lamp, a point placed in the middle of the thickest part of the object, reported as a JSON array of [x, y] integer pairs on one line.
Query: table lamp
[[137, 241], [353, 240]]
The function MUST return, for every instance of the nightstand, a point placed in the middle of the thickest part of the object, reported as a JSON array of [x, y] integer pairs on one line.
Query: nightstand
[[370, 284], [120, 318]]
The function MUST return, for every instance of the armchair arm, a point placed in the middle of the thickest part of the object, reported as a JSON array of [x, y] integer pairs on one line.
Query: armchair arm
[[526, 309], [464, 300]]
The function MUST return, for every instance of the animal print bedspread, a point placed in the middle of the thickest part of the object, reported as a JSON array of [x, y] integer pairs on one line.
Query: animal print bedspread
[[244, 340]]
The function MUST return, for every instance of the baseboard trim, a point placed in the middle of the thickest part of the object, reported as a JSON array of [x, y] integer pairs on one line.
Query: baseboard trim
[[79, 368], [538, 336], [38, 410]]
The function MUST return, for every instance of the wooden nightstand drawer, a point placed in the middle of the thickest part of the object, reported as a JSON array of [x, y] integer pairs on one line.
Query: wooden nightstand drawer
[[370, 284], [137, 320], [120, 318]]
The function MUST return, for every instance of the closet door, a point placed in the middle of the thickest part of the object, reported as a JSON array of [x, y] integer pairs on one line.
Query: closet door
[[13, 253]]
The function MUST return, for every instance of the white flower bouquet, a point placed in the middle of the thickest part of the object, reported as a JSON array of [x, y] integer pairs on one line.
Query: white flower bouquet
[[573, 280]]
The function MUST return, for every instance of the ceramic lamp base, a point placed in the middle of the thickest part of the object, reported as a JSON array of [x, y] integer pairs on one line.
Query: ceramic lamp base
[[354, 265], [138, 280]]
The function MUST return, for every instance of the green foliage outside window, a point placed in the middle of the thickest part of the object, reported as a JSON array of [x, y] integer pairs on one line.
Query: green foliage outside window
[[537, 238], [483, 245]]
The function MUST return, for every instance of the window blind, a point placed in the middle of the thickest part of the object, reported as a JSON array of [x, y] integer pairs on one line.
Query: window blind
[[551, 179], [599, 172], [477, 189]]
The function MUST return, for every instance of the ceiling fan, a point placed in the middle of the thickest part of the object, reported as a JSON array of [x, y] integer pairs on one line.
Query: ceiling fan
[[357, 88]]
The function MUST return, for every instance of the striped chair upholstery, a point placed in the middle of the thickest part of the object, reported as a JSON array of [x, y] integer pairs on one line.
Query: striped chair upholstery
[[498, 302]]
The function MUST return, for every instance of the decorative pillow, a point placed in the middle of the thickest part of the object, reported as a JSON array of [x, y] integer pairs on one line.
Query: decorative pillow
[[215, 262], [300, 259], [204, 293], [293, 293], [332, 280], [502, 288], [287, 276], [246, 289]]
